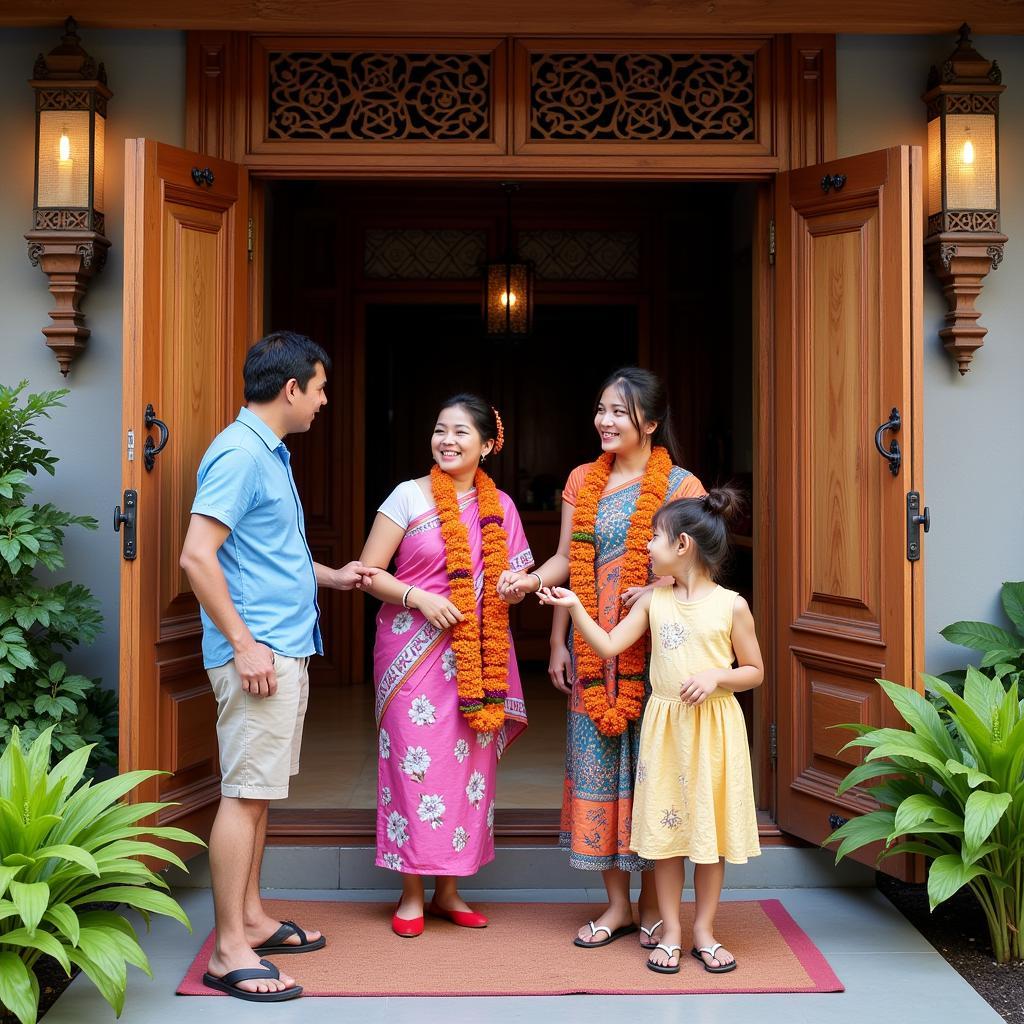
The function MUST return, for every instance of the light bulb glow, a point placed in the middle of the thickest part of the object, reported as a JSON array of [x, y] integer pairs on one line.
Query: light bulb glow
[[968, 152], [64, 147], [508, 299]]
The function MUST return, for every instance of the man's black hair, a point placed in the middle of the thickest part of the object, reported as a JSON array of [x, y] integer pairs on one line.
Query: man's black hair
[[276, 359]]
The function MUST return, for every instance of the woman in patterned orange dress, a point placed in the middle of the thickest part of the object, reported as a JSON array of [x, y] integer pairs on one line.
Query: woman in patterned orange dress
[[631, 418]]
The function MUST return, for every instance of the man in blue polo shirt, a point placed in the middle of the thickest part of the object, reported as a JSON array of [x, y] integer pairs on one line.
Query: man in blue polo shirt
[[250, 567]]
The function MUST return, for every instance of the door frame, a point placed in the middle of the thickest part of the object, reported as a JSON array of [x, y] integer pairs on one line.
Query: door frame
[[803, 118]]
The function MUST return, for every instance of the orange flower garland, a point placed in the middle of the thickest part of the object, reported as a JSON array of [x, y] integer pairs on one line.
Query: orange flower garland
[[612, 719], [481, 654]]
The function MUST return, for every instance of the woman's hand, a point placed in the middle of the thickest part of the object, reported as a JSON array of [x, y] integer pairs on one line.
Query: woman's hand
[[631, 595], [558, 597], [699, 687], [514, 586], [560, 668], [437, 610]]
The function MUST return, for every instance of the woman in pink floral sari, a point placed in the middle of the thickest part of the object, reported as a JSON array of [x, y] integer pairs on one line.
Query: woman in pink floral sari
[[436, 788]]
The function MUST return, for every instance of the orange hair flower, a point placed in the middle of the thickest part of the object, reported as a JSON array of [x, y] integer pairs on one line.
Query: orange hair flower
[[610, 718], [499, 441]]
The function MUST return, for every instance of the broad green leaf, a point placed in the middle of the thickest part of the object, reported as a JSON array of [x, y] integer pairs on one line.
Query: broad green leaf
[[983, 694], [1012, 596], [17, 991], [979, 636], [72, 853], [926, 849], [1001, 654], [920, 714], [65, 920], [857, 832], [946, 876], [31, 899], [7, 874], [982, 813], [110, 986], [39, 939], [862, 773], [140, 899], [918, 809], [974, 777]]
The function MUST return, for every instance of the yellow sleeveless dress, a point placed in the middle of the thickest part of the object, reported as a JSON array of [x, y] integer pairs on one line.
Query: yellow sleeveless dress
[[694, 794]]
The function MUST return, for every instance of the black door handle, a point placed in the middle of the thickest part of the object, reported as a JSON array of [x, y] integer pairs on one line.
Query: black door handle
[[892, 455], [127, 518], [151, 450]]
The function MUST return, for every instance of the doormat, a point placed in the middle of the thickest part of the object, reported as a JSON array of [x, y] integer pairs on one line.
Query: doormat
[[527, 950]]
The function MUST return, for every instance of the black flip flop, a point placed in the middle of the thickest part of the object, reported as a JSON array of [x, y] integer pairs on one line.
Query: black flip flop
[[268, 972], [711, 950], [669, 951], [276, 945], [626, 929]]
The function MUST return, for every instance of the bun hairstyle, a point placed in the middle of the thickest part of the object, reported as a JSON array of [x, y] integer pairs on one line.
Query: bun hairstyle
[[484, 417], [647, 402], [706, 521]]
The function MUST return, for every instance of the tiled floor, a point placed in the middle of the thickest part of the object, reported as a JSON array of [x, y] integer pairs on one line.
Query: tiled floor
[[339, 751], [891, 975]]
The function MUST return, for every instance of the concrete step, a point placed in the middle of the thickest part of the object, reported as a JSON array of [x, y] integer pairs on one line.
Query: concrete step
[[523, 867]]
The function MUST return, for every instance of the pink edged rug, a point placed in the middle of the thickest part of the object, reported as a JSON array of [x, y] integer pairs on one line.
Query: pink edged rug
[[527, 950]]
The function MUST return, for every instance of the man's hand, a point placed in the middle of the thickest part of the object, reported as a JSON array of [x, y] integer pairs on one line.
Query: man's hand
[[255, 664], [354, 576]]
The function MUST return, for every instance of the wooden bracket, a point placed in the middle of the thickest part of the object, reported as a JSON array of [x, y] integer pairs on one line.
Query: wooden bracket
[[69, 259], [961, 261]]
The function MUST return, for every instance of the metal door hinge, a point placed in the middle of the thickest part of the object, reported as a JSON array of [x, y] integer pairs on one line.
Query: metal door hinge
[[773, 744], [249, 239], [916, 518], [127, 518], [771, 241]]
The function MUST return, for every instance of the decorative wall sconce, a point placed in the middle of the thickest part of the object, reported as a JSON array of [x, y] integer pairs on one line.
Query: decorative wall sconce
[[67, 239], [508, 286], [962, 237]]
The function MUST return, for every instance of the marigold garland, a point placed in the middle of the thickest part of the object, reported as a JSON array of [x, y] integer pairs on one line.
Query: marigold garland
[[612, 719], [481, 654]]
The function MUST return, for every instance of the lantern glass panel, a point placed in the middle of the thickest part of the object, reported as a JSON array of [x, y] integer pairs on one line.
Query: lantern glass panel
[[97, 187], [63, 158], [970, 162], [934, 166], [508, 298]]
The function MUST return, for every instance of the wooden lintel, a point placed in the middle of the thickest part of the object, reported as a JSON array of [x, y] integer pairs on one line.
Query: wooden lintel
[[593, 17]]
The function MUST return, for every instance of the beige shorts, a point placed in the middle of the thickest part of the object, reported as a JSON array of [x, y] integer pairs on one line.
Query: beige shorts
[[260, 738]]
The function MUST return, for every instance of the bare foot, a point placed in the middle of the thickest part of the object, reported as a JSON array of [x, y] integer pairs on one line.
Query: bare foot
[[612, 918], [410, 908], [721, 958], [221, 964]]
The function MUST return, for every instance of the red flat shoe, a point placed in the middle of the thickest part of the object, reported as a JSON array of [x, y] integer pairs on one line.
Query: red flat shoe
[[407, 928], [464, 919]]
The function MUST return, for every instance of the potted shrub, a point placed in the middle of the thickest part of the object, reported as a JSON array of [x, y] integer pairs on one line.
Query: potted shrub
[[41, 621]]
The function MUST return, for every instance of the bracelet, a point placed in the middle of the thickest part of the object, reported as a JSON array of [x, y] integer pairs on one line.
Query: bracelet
[[540, 581], [405, 596]]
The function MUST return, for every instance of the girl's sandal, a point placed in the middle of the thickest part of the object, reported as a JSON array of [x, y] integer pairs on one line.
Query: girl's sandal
[[626, 929], [649, 932], [711, 951], [670, 951]]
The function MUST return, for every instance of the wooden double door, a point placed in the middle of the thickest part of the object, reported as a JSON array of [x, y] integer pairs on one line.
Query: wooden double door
[[837, 347]]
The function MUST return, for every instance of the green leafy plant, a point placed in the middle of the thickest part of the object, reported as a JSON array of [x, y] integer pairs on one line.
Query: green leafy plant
[[65, 847], [1002, 650], [39, 622], [954, 795]]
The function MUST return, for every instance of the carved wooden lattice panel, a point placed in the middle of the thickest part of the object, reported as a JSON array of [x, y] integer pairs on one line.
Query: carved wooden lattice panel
[[365, 96], [418, 254], [631, 97], [582, 255]]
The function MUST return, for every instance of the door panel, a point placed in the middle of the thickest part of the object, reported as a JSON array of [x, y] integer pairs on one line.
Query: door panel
[[848, 349], [185, 318]]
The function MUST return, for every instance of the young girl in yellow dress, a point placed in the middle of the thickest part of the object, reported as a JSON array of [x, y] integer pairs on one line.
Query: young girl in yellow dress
[[694, 795]]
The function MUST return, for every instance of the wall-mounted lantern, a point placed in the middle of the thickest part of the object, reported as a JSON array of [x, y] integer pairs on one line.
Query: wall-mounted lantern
[[508, 286], [67, 238], [962, 237]]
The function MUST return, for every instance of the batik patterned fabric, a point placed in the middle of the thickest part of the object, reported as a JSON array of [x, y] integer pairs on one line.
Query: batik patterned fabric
[[597, 800], [436, 776]]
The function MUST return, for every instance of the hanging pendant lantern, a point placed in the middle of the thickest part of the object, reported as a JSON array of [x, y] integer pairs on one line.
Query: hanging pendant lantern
[[508, 287]]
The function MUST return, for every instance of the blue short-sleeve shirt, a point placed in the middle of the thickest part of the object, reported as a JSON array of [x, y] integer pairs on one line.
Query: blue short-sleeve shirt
[[245, 482]]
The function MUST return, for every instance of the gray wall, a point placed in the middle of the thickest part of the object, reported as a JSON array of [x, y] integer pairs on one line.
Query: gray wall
[[974, 425], [146, 71], [974, 461]]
